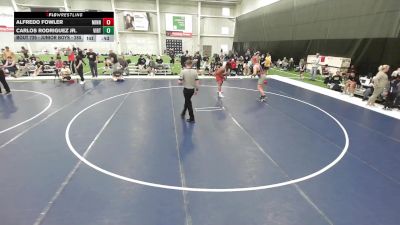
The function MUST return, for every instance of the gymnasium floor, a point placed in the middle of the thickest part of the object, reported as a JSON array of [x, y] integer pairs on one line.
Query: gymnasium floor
[[301, 158]]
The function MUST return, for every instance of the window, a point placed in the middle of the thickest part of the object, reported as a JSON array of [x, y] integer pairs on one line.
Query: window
[[225, 30], [226, 11]]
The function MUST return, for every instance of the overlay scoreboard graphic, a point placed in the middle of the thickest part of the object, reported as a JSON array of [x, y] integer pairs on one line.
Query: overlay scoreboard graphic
[[63, 26]]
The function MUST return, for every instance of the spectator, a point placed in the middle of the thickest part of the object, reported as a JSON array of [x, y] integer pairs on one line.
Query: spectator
[[394, 90], [302, 68], [285, 63], [141, 62], [335, 81], [184, 57], [197, 61], [233, 67], [10, 66], [267, 62], [79, 68], [93, 60], [33, 59], [24, 52], [59, 65], [65, 72], [152, 66], [279, 63], [124, 65], [39, 68], [396, 73], [22, 67], [160, 62], [350, 85], [71, 60], [52, 62], [380, 81], [8, 53], [262, 61], [315, 65], [172, 56], [291, 64]]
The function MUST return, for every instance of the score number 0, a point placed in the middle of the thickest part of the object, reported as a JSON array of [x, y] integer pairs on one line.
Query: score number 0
[[108, 21]]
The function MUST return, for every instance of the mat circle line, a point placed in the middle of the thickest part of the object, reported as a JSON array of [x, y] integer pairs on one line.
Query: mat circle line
[[213, 190], [35, 116]]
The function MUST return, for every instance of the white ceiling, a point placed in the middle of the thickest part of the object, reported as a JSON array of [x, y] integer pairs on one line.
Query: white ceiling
[[222, 2]]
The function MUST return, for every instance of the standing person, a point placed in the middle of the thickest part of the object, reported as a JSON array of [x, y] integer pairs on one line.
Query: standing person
[[393, 91], [267, 62], [220, 75], [183, 60], [172, 56], [4, 82], [262, 61], [190, 80], [197, 59], [59, 65], [79, 67], [314, 68], [24, 52], [8, 53], [380, 82], [93, 60], [302, 68], [71, 60]]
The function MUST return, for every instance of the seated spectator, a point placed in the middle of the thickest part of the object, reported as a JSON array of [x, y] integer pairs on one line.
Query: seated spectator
[[10, 66], [350, 85], [141, 63], [39, 68], [152, 66], [396, 73], [369, 89], [285, 64], [335, 81], [65, 73], [22, 67], [160, 62], [33, 59], [212, 67], [124, 65], [279, 63], [325, 70], [51, 62]]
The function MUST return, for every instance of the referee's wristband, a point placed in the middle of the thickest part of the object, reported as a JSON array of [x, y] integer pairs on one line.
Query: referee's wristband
[[197, 89]]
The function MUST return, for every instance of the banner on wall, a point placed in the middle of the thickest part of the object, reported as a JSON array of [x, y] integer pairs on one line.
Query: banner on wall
[[136, 21], [178, 25], [6, 19]]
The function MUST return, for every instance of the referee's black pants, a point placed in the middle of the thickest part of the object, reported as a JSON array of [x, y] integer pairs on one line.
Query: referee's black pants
[[188, 94], [3, 81]]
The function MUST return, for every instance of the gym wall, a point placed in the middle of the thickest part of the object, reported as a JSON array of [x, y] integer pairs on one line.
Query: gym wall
[[367, 31], [141, 41]]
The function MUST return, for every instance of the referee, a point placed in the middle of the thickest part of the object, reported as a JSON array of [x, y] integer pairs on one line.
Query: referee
[[190, 81], [4, 82]]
